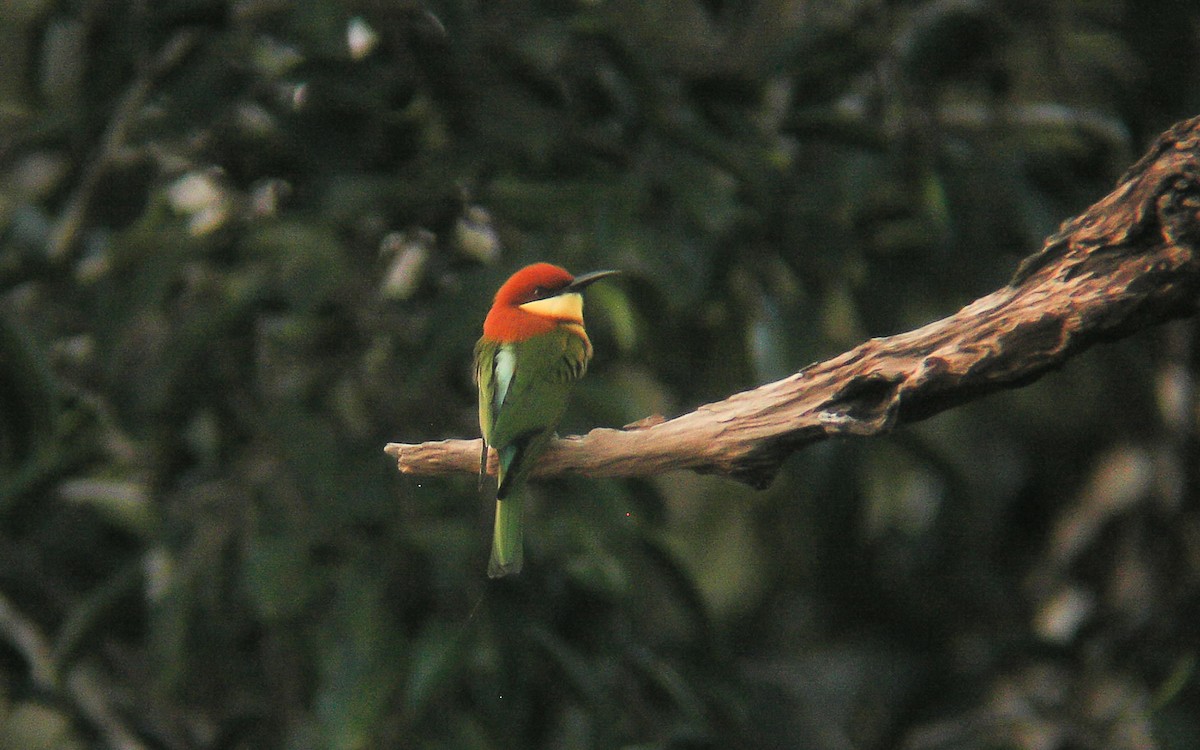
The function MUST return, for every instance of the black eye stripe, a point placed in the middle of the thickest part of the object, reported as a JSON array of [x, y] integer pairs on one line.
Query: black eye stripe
[[542, 292]]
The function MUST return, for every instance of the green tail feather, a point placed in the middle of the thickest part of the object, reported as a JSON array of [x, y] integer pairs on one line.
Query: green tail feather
[[507, 546], [508, 550]]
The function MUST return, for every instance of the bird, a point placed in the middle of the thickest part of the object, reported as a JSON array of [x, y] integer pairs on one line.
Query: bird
[[533, 349]]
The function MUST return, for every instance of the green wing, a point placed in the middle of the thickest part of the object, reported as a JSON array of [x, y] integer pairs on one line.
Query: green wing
[[485, 380], [523, 394]]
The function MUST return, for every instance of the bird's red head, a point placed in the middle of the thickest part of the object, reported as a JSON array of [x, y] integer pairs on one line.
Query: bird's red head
[[533, 282], [507, 321]]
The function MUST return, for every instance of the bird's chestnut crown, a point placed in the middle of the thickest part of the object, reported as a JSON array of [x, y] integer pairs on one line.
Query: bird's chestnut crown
[[533, 282]]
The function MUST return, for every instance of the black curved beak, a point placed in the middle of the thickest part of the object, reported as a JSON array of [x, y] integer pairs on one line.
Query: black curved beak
[[583, 280]]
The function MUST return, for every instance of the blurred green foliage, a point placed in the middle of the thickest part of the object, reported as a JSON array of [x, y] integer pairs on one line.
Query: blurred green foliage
[[244, 244]]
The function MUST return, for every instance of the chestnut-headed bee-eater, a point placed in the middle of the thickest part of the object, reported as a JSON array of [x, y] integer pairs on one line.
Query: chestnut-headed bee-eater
[[534, 347]]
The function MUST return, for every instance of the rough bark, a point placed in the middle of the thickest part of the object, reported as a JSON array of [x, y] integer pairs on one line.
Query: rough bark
[[1128, 262]]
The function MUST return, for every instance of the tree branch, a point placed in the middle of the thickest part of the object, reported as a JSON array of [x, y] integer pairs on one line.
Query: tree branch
[[1128, 262], [66, 231], [81, 685]]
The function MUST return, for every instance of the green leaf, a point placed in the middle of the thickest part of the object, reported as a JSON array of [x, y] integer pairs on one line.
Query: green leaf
[[434, 657], [358, 664], [29, 411]]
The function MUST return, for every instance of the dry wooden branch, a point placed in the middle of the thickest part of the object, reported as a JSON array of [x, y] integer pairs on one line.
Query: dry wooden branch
[[1129, 261]]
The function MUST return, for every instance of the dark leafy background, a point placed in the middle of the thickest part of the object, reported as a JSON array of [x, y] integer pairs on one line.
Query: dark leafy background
[[244, 244]]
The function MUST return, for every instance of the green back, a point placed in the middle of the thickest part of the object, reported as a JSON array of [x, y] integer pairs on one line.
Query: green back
[[520, 426]]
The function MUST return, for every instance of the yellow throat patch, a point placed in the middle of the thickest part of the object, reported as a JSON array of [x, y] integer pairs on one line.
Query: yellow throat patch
[[561, 307]]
